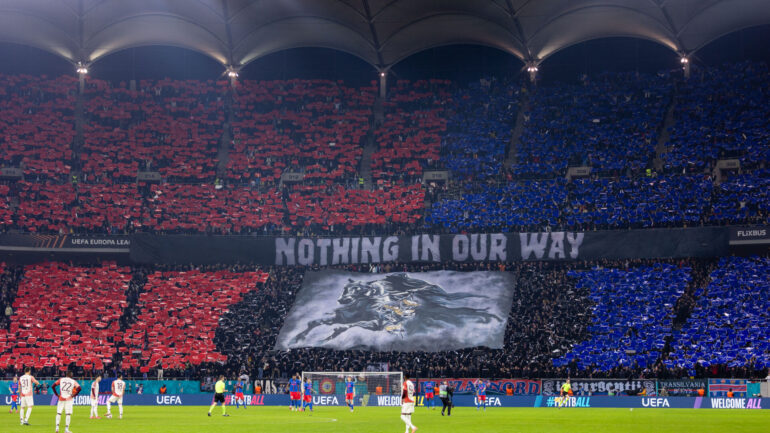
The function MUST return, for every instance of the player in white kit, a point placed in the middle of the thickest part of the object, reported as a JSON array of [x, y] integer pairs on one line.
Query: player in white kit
[[95, 397], [68, 388], [407, 404], [26, 389], [118, 389]]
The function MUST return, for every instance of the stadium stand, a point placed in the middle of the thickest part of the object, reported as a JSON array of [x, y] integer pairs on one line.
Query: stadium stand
[[179, 315], [585, 204], [631, 315], [722, 112], [65, 314], [409, 140], [727, 324], [6, 213], [37, 124], [566, 318], [206, 209], [9, 284], [609, 121], [169, 126], [341, 210], [479, 129], [310, 126]]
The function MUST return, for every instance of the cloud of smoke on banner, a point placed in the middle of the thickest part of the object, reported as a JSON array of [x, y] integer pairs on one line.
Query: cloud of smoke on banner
[[421, 311]]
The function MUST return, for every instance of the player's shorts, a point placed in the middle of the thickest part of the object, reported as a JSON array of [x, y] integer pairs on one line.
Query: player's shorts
[[482, 398], [27, 401], [219, 398], [14, 397], [95, 401], [429, 395], [239, 396], [349, 396], [308, 398], [294, 395], [117, 399], [407, 408], [64, 406]]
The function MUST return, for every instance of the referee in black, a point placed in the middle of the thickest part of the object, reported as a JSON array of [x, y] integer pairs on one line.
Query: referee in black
[[445, 393]]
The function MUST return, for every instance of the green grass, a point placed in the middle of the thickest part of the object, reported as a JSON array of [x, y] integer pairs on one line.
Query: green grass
[[375, 420]]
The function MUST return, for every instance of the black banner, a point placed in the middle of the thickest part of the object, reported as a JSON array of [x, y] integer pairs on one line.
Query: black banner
[[682, 387], [630, 244], [749, 235], [31, 242], [601, 386]]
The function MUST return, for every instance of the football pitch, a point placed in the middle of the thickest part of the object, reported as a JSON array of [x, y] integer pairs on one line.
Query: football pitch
[[143, 419]]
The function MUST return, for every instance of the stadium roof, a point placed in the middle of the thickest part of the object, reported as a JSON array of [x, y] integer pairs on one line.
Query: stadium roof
[[382, 32]]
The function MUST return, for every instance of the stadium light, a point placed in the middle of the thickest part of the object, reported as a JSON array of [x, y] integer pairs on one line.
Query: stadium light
[[82, 69], [684, 60], [232, 73], [382, 74], [532, 71]]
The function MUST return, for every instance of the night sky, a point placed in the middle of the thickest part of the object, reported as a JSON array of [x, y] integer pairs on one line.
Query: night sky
[[462, 63]]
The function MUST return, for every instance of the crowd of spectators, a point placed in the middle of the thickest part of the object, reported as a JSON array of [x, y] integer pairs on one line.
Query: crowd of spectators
[[608, 121], [169, 126], [632, 314], [9, 284], [313, 127], [318, 128], [721, 112], [595, 203], [560, 325], [37, 124], [178, 314], [567, 319], [409, 140], [479, 128], [65, 314], [340, 210], [729, 319]]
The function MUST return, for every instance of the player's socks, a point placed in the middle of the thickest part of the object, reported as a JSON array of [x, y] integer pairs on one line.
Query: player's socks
[[212, 408], [120, 410], [58, 420], [67, 422], [224, 410], [29, 411]]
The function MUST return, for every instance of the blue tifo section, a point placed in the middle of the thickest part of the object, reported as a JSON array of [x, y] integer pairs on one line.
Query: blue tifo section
[[730, 322], [460, 401], [630, 313], [604, 203]]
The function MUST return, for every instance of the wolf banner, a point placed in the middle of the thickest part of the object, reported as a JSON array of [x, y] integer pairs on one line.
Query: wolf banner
[[428, 311]]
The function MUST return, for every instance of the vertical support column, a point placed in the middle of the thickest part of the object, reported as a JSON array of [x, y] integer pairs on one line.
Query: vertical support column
[[82, 70], [383, 84], [685, 61], [232, 74], [532, 70]]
